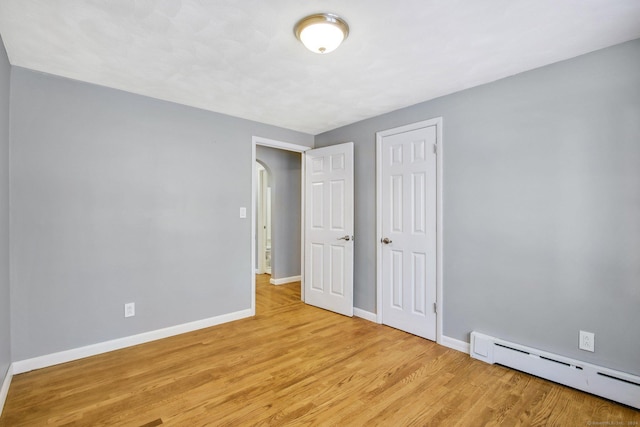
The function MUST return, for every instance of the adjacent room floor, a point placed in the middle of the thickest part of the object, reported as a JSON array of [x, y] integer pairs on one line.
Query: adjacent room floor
[[293, 364]]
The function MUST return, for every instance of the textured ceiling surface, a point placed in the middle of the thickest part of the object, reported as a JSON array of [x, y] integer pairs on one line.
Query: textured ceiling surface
[[241, 57]]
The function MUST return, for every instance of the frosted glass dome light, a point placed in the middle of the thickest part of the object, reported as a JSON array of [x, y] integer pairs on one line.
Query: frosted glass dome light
[[321, 33]]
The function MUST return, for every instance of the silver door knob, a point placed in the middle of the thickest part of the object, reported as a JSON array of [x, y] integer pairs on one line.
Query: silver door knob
[[386, 240], [347, 238]]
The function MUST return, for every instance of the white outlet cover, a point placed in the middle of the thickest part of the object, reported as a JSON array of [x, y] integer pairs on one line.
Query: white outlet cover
[[130, 309], [587, 341]]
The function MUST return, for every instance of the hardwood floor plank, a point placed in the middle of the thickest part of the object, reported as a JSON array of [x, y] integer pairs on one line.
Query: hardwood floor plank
[[294, 364]]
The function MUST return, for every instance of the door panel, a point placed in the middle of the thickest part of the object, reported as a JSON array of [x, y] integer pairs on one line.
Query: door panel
[[408, 201], [396, 279], [316, 271], [329, 228]]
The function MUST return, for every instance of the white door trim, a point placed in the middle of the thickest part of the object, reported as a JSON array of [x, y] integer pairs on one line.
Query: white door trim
[[439, 228], [258, 140], [260, 223]]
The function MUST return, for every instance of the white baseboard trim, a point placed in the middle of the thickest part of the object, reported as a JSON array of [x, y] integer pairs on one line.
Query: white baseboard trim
[[5, 387], [119, 343], [366, 315], [455, 344], [285, 280]]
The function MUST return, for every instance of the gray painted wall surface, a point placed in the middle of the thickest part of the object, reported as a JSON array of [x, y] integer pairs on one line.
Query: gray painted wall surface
[[5, 327], [120, 198], [541, 206], [284, 169]]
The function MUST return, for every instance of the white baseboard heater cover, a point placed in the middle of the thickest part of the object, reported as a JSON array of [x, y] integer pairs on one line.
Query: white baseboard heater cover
[[608, 383]]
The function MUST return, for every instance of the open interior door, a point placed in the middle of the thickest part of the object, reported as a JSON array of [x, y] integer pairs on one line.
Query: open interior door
[[328, 251]]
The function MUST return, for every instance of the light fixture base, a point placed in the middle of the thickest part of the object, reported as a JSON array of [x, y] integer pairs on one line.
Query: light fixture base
[[321, 32]]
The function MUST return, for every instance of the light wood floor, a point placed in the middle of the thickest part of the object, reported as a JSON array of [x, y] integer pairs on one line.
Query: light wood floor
[[294, 364]]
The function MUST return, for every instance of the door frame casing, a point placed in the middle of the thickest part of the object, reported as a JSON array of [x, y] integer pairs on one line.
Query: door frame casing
[[261, 223], [439, 216], [287, 146]]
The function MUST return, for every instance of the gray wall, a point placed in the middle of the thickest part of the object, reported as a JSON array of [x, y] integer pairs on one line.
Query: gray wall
[[284, 169], [120, 198], [541, 206], [5, 328]]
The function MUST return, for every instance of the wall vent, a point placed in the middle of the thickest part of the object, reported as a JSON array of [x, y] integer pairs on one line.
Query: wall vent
[[608, 383]]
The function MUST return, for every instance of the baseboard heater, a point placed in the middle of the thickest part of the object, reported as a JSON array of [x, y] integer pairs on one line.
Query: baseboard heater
[[608, 383]]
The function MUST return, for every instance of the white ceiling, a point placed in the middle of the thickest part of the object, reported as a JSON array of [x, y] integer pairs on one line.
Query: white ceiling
[[241, 57]]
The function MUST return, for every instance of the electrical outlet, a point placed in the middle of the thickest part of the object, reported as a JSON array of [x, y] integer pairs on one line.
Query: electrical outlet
[[587, 341], [130, 309]]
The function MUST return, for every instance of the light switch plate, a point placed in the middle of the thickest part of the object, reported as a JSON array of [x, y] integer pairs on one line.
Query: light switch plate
[[243, 212]]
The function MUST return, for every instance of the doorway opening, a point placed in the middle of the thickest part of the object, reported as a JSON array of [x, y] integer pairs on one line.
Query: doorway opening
[[282, 227], [321, 259]]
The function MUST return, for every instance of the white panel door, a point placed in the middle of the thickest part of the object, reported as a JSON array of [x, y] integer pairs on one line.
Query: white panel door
[[328, 252], [408, 244]]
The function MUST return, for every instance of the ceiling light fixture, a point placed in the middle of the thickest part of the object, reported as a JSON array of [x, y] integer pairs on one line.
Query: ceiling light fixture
[[322, 32]]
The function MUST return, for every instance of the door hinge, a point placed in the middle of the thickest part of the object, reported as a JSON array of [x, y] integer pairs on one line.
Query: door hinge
[[435, 148], [435, 308]]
